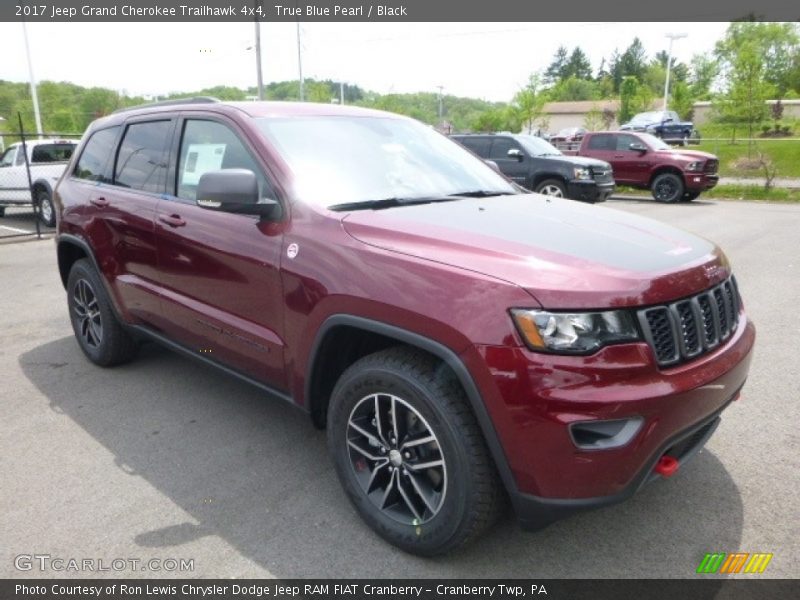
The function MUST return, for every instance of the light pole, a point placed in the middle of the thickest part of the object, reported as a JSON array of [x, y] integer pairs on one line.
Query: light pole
[[260, 77], [34, 95], [672, 37], [441, 111], [300, 64]]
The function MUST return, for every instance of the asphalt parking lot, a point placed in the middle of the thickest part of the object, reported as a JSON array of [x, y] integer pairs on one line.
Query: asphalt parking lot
[[163, 458], [18, 222]]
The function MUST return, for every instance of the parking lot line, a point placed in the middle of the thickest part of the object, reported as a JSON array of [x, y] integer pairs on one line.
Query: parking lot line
[[15, 229]]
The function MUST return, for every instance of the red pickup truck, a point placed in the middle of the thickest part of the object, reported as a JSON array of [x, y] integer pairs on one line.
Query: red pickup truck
[[643, 161]]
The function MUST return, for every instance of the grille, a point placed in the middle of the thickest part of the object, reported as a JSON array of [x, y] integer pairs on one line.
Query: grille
[[693, 326], [601, 174], [711, 166]]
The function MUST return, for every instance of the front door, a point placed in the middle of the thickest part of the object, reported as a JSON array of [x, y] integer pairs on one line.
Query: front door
[[220, 276]]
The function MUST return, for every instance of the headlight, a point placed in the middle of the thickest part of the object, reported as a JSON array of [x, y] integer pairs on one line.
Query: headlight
[[582, 173], [695, 166], [574, 333]]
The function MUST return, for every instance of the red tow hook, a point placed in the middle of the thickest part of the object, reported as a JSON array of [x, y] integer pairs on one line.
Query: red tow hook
[[667, 466]]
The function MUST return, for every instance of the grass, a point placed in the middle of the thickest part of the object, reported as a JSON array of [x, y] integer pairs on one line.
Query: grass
[[785, 155]]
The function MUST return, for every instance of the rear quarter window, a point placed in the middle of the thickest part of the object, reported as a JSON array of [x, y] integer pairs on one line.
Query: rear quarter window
[[479, 146], [45, 153], [94, 158]]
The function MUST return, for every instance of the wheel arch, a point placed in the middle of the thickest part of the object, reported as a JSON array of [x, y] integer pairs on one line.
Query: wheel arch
[[42, 184], [665, 169], [324, 371], [538, 178]]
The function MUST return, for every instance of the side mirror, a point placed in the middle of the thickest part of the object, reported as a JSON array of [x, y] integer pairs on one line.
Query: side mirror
[[234, 191], [637, 147], [493, 165], [515, 153]]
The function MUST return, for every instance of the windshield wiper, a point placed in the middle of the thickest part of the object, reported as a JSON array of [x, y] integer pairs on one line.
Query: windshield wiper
[[478, 194], [387, 203]]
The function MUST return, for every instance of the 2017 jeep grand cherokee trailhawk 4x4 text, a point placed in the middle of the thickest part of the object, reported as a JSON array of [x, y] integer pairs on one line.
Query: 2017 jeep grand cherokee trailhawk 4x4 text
[[460, 340]]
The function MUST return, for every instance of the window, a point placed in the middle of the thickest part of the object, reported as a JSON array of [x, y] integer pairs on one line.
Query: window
[[601, 142], [95, 155], [20, 156], [624, 143], [44, 153], [211, 146], [8, 157], [500, 148], [140, 161], [479, 146]]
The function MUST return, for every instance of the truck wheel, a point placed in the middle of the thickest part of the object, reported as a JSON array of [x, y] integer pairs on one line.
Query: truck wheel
[[47, 213], [685, 139], [689, 196], [409, 453], [100, 335], [551, 187], [667, 187], [2, 211]]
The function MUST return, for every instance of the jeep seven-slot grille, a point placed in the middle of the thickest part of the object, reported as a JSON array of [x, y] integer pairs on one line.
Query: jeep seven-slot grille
[[691, 327]]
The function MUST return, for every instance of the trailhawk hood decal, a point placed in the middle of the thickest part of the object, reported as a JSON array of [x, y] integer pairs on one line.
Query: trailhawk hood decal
[[567, 254]]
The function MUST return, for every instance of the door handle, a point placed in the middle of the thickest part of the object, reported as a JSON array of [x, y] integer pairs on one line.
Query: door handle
[[619, 156], [100, 202], [172, 220]]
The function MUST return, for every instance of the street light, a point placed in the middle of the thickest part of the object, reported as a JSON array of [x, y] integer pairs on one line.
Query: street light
[[672, 37], [34, 95]]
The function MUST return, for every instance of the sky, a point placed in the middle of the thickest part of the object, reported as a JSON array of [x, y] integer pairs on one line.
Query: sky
[[491, 61]]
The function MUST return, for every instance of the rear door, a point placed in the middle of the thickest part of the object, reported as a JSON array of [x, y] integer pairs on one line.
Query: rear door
[[222, 292]]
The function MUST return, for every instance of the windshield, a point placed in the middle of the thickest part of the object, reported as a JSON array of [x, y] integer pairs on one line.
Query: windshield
[[536, 146], [648, 117], [8, 157], [654, 142], [347, 160]]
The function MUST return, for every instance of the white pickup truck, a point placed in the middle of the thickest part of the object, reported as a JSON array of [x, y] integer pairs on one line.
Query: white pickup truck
[[47, 159]]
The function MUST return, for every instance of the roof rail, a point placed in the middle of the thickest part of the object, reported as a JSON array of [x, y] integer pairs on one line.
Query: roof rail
[[195, 100]]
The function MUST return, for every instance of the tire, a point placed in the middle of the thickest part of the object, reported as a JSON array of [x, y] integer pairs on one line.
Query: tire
[[551, 187], [685, 139], [2, 211], [667, 187], [100, 335], [422, 511], [689, 196], [47, 212]]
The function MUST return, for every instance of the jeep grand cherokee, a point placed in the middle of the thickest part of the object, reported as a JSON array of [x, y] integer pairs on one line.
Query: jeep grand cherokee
[[461, 341]]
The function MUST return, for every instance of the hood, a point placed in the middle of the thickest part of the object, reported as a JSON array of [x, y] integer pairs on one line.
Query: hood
[[581, 161], [689, 155], [565, 253]]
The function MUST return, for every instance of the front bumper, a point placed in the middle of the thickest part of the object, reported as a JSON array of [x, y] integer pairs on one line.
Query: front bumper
[[588, 190], [700, 181], [532, 399]]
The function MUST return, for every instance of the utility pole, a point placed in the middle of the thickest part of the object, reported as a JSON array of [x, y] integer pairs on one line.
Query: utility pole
[[672, 37], [300, 64], [34, 94], [441, 108], [260, 77]]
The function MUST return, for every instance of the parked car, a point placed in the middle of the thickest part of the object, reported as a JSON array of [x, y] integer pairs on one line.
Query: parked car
[[570, 134], [537, 165], [47, 159], [646, 162], [461, 341], [664, 124]]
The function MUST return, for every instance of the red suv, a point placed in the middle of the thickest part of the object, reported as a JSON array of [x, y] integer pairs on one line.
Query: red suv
[[463, 341]]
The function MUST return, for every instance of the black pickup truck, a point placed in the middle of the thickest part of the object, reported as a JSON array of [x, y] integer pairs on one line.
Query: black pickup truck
[[537, 165], [664, 124]]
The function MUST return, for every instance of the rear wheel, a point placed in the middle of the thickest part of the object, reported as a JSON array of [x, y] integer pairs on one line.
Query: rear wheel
[[551, 187], [2, 211], [667, 187], [409, 452], [100, 335], [47, 213]]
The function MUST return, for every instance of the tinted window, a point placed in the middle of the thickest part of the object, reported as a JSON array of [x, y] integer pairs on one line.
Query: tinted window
[[602, 142], [95, 155], [210, 146], [8, 157], [479, 146], [501, 146], [52, 153], [140, 161]]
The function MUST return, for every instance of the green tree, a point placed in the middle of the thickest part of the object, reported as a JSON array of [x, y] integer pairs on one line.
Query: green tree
[[681, 100], [557, 69], [530, 102], [574, 89], [579, 65], [704, 70], [628, 94]]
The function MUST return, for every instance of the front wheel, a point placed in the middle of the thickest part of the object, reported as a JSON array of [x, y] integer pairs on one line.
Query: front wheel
[[551, 187], [667, 187], [47, 213], [409, 452]]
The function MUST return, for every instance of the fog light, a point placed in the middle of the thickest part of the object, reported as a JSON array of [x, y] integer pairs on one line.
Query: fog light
[[604, 435]]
